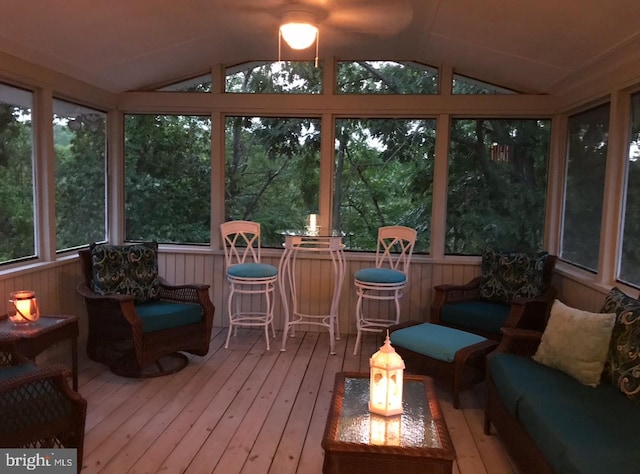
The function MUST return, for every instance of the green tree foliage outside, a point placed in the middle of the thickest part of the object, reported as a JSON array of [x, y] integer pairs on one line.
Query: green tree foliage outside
[[80, 149], [17, 187], [386, 77], [272, 171], [383, 176], [497, 185], [587, 157], [168, 178], [282, 77]]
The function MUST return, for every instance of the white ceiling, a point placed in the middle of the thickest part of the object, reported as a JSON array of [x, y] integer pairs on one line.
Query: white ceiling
[[122, 45]]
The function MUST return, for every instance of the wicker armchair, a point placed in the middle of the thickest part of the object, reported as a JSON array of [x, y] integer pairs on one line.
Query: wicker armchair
[[486, 318], [37, 407], [118, 339]]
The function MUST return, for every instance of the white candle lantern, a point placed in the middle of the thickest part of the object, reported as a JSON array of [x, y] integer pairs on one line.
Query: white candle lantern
[[385, 386], [24, 307]]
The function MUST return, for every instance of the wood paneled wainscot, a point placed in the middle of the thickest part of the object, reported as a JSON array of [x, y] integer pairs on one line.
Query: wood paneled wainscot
[[54, 285]]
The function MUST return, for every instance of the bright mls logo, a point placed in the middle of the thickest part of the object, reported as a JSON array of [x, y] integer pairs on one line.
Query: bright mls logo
[[52, 461]]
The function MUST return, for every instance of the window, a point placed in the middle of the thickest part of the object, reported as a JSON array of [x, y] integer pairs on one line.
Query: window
[[386, 77], [497, 185], [466, 85], [584, 187], [79, 142], [280, 77], [168, 178], [272, 168], [383, 176], [630, 256], [17, 232]]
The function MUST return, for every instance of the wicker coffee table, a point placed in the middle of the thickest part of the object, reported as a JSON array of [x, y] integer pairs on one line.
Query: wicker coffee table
[[356, 441]]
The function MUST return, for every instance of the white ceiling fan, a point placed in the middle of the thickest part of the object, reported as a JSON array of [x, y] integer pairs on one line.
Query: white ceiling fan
[[356, 17]]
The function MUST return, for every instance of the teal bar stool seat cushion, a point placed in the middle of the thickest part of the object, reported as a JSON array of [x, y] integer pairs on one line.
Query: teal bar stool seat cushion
[[252, 270], [432, 340], [158, 315], [380, 275]]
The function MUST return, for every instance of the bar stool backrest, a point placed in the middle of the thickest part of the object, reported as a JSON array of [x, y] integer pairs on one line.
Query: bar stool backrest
[[395, 247], [241, 242]]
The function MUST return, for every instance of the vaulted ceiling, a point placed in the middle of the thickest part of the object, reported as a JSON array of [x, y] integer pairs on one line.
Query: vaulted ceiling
[[122, 45]]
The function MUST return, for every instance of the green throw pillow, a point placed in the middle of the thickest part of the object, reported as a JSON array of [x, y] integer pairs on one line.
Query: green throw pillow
[[506, 276], [623, 360], [576, 342], [126, 270]]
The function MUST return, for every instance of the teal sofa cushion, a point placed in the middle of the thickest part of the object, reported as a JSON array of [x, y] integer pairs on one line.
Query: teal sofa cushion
[[438, 342], [252, 270], [476, 315], [380, 275], [579, 429], [126, 270], [158, 315]]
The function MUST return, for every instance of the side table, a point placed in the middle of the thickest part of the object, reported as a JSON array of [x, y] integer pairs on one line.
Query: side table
[[358, 442], [34, 338]]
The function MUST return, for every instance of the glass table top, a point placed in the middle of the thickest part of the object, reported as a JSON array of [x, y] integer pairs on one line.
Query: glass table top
[[415, 427]]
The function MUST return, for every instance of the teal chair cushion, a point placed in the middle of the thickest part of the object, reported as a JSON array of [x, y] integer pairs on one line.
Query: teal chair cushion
[[252, 270], [15, 370], [579, 429], [476, 315], [437, 342], [158, 315], [380, 275]]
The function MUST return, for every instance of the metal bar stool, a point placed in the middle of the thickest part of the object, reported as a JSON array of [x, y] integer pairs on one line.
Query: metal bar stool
[[247, 276], [386, 280]]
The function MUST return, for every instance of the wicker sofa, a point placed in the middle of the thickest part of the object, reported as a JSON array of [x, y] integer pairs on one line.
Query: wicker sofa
[[552, 423]]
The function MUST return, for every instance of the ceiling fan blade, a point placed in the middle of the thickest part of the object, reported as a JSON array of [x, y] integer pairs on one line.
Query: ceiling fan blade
[[383, 19]]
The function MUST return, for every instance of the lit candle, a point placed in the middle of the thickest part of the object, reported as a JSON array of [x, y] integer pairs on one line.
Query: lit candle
[[24, 307]]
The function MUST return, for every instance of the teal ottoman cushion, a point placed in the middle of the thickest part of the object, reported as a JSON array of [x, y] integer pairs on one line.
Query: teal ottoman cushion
[[160, 315], [438, 342], [476, 315], [252, 270], [380, 275]]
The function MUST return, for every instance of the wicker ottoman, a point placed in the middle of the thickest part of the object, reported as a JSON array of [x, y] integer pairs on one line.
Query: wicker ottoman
[[453, 357]]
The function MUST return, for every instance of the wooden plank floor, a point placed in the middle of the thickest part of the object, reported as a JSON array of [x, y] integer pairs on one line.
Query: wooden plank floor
[[246, 410]]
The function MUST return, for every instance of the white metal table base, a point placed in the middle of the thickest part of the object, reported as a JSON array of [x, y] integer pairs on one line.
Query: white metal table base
[[293, 245]]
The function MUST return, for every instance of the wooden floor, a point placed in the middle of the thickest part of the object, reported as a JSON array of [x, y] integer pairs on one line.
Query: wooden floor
[[246, 410]]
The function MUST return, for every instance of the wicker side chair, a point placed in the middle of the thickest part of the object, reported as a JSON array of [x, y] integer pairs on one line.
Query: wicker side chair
[[38, 409], [127, 337], [463, 307]]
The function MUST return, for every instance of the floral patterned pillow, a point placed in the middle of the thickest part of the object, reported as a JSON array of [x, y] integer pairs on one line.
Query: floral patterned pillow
[[126, 270], [506, 276], [623, 361]]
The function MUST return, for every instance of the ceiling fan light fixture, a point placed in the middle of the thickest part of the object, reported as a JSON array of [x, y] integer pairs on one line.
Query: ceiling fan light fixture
[[299, 29]]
